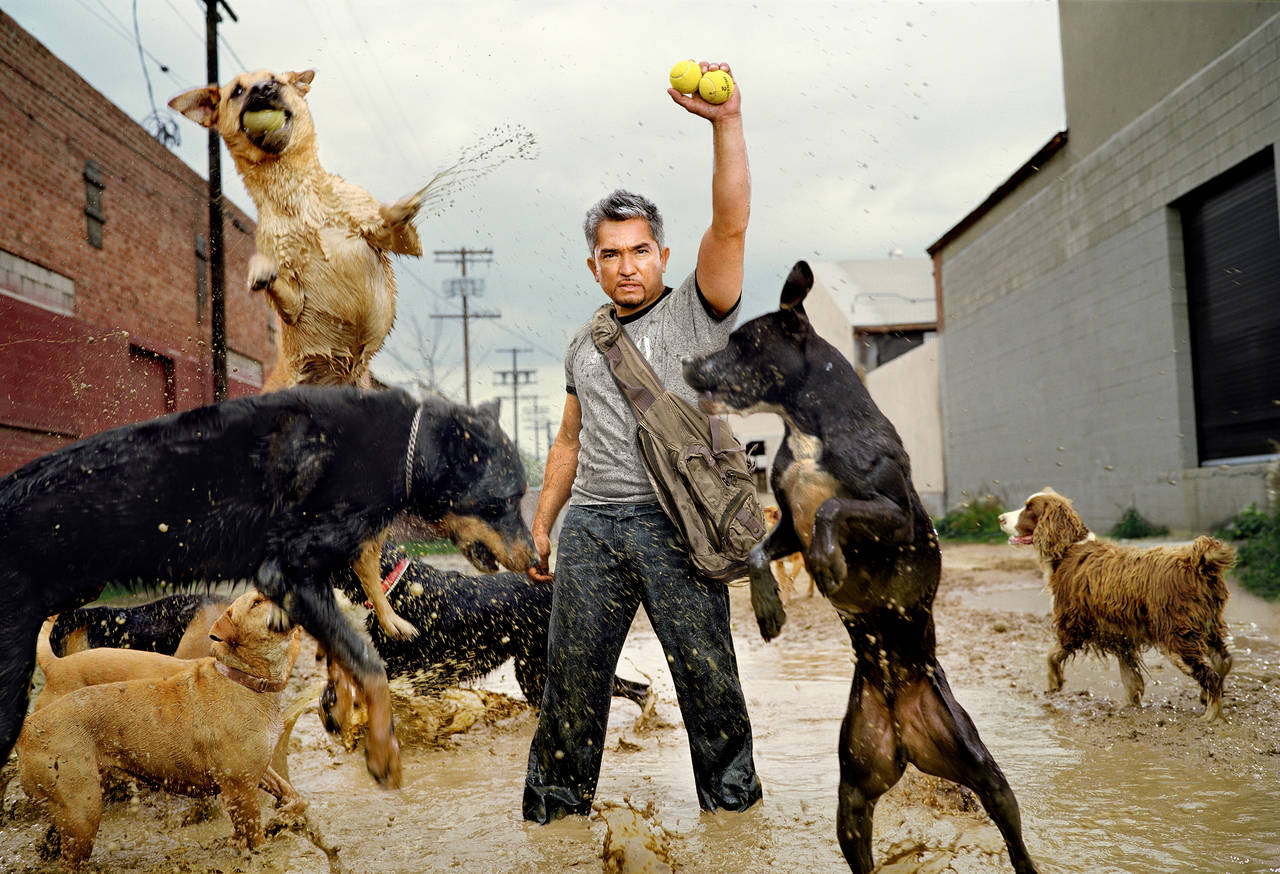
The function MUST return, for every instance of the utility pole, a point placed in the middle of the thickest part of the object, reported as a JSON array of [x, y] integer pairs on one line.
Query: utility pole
[[217, 252], [518, 378], [536, 411], [465, 288]]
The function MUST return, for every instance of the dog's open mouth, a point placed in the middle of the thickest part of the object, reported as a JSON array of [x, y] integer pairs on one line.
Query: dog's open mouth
[[1020, 539], [266, 124], [479, 555]]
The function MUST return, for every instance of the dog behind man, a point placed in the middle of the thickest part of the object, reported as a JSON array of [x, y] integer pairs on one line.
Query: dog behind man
[[1119, 600]]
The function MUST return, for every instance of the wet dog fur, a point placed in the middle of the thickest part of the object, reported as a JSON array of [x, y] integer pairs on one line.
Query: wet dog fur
[[470, 625], [843, 484], [323, 244], [98, 665], [195, 732], [281, 489], [323, 249], [1119, 600]]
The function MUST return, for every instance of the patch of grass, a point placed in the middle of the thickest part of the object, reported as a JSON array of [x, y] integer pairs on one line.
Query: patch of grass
[[1248, 523], [416, 548], [1258, 552], [977, 519], [1133, 525]]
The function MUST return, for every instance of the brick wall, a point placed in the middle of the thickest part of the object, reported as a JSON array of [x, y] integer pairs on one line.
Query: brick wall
[[1067, 359], [66, 372]]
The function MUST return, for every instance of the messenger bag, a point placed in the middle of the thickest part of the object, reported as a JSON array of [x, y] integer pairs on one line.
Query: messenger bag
[[698, 469]]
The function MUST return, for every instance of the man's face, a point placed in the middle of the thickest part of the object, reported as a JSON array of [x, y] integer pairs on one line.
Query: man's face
[[628, 264]]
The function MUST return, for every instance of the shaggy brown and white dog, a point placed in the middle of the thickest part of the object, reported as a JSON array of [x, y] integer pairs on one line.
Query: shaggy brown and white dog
[[1123, 599]]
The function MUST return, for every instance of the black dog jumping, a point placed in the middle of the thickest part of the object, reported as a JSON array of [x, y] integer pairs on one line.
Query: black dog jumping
[[468, 625], [280, 489], [843, 484]]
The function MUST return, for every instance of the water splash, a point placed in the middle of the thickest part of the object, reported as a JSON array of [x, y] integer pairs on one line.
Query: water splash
[[503, 143]]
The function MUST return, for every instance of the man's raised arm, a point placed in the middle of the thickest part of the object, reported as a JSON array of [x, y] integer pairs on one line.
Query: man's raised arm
[[720, 255]]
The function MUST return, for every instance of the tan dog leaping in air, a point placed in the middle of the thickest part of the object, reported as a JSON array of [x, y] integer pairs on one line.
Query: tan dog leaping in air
[[323, 249]]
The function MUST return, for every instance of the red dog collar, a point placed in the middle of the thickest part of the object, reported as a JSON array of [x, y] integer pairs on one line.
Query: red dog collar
[[392, 578]]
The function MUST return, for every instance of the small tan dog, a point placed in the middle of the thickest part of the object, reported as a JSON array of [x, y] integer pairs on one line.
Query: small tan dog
[[787, 570], [104, 664], [323, 249], [209, 728]]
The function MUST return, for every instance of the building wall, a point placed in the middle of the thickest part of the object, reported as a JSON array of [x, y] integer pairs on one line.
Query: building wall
[[1066, 359], [907, 391], [117, 322], [1121, 56]]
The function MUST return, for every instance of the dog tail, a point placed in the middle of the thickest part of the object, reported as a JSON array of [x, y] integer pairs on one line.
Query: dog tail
[[45, 656], [1212, 555]]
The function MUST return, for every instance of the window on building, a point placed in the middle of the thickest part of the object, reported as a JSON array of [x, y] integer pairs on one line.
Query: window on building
[[1231, 244], [34, 284], [244, 369], [878, 346], [95, 218]]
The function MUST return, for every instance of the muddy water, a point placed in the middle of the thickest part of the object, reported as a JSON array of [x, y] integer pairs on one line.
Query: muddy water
[[1103, 788], [1108, 787]]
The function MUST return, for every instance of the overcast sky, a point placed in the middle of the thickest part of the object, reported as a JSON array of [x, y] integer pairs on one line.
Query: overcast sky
[[870, 126]]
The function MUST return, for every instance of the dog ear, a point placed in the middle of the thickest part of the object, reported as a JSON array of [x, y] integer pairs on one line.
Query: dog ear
[[490, 410], [199, 104], [797, 286], [301, 81], [1057, 527]]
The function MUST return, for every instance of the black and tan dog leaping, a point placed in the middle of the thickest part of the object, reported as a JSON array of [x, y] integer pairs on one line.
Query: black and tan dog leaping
[[843, 483], [280, 489]]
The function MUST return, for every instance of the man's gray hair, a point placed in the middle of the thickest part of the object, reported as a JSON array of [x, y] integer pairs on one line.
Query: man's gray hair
[[618, 207]]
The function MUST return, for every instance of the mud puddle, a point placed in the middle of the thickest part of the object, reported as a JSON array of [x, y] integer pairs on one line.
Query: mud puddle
[[1102, 788]]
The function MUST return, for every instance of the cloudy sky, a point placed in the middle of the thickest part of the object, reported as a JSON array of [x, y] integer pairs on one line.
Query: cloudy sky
[[870, 126]]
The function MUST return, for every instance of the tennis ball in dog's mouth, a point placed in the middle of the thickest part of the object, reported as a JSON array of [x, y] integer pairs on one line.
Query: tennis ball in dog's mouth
[[685, 76], [715, 86], [262, 121]]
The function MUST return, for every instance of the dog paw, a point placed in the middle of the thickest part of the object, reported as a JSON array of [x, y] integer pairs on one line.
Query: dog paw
[[828, 569], [262, 272], [398, 628], [383, 762], [767, 604]]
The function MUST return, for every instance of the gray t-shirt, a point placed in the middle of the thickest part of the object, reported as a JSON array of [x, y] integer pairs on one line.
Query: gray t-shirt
[[676, 325]]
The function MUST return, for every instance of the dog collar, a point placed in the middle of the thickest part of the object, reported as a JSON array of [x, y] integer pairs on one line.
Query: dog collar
[[392, 578], [249, 681], [408, 455]]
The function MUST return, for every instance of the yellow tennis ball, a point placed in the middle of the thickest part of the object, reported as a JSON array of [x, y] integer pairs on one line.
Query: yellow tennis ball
[[685, 76], [715, 86], [262, 121]]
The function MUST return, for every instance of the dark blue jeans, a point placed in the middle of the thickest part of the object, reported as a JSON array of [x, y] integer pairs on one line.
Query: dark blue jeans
[[612, 558]]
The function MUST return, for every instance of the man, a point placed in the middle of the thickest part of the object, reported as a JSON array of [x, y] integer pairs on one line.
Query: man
[[617, 548]]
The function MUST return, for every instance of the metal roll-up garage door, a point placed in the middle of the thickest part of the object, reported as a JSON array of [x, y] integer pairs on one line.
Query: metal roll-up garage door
[[1231, 238]]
